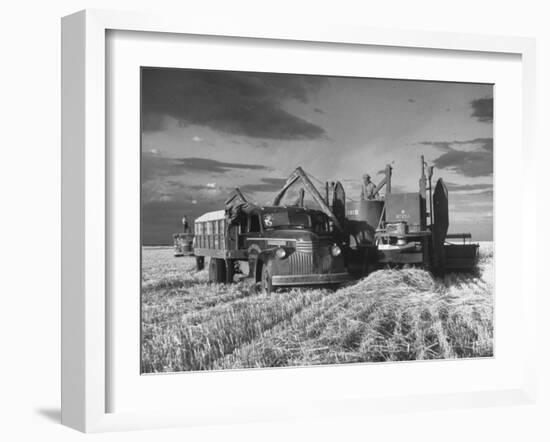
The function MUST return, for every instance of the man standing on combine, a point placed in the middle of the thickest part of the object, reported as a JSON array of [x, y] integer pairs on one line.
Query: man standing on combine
[[367, 189]]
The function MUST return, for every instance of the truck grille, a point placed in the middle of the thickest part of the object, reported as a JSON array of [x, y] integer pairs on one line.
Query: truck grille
[[301, 263], [311, 246], [306, 246], [311, 257]]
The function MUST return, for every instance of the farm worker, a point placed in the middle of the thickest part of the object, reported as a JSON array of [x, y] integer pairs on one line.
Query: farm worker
[[185, 224], [300, 200], [367, 189]]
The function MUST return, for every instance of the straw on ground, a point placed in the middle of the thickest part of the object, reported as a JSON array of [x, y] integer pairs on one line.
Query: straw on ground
[[391, 315]]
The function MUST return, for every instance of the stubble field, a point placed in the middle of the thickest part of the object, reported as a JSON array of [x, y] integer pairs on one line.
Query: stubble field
[[391, 315]]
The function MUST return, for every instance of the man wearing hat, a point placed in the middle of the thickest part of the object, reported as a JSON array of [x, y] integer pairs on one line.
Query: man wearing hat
[[185, 224], [367, 189]]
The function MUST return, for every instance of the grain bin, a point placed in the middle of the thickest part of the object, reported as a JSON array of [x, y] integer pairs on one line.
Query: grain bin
[[365, 215]]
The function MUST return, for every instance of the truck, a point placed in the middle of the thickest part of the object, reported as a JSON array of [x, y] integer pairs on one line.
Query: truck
[[183, 244], [183, 241], [279, 245]]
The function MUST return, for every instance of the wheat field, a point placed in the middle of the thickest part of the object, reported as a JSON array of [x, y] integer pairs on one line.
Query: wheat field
[[391, 315]]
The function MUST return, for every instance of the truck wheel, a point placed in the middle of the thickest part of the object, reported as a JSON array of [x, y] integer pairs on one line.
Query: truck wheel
[[216, 270], [199, 260], [229, 270], [267, 280]]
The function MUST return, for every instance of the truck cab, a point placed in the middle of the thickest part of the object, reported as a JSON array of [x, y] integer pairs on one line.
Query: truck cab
[[282, 245]]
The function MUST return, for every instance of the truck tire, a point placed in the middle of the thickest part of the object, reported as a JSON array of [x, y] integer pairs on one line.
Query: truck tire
[[229, 270], [216, 270], [199, 261], [267, 278]]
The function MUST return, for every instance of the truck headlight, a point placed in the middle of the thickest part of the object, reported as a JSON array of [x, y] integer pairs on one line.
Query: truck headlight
[[335, 250], [280, 253]]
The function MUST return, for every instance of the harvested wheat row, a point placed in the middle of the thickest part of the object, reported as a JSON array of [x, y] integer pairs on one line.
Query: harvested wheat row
[[289, 336], [171, 305], [200, 338], [404, 314], [390, 315]]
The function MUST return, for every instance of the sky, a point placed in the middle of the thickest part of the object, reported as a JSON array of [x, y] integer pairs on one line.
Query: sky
[[203, 133]]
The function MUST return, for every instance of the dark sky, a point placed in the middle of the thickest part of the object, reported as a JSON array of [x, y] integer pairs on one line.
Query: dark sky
[[206, 132]]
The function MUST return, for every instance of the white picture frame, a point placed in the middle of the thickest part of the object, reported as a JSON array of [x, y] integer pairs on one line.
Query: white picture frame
[[85, 198]]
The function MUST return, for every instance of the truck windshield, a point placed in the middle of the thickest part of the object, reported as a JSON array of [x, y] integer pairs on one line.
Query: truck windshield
[[300, 220]]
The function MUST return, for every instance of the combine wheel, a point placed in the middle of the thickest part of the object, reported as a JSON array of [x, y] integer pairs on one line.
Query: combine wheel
[[199, 260], [216, 270]]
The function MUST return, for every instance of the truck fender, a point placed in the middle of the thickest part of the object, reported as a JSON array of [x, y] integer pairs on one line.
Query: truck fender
[[253, 254], [263, 258], [256, 259]]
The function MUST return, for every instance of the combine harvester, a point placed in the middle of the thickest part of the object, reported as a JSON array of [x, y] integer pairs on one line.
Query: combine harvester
[[291, 245], [404, 231]]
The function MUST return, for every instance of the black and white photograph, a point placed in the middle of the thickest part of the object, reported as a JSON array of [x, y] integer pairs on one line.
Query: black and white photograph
[[292, 220], [251, 221]]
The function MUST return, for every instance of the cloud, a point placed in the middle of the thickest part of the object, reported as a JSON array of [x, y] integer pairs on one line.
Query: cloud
[[482, 109], [471, 158], [469, 187], [267, 185], [196, 139], [242, 103], [471, 164], [155, 166], [471, 203], [442, 145], [152, 121], [488, 192], [411, 100], [213, 166], [483, 143]]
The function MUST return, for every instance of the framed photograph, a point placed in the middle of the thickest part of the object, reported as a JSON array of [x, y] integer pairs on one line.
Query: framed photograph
[[271, 222]]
